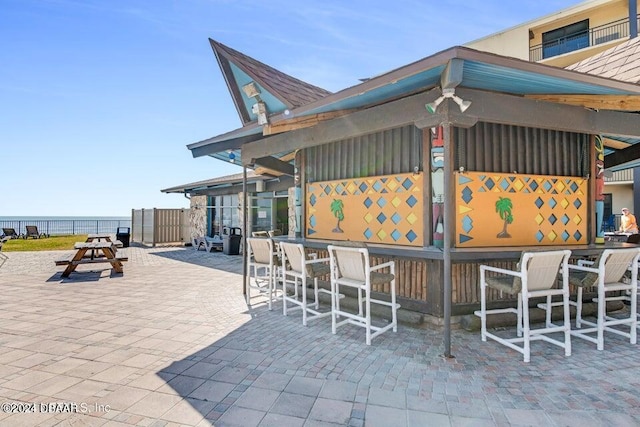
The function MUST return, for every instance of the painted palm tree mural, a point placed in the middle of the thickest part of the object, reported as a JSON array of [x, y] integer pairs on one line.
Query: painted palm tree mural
[[503, 207], [337, 210]]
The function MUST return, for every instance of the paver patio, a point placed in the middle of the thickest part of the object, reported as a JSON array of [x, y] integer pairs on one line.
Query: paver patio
[[172, 342]]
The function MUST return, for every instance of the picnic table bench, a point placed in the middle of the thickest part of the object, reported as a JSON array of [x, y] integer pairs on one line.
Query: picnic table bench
[[106, 252]]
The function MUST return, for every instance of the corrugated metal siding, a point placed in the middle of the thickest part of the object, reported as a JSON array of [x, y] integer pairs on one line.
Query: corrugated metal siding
[[504, 148], [390, 152], [621, 176]]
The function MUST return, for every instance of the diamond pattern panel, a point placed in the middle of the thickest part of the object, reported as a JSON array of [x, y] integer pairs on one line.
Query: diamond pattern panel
[[373, 209], [520, 210]]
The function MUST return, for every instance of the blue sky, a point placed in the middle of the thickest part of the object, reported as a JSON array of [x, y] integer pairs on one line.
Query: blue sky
[[99, 98]]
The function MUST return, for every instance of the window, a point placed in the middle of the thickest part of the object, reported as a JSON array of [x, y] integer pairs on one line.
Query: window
[[269, 211], [566, 39], [223, 212]]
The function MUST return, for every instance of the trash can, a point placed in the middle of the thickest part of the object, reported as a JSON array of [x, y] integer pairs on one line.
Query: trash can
[[232, 236], [124, 234]]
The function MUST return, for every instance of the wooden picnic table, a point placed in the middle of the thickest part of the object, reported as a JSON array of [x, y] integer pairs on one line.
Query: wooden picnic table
[[106, 252], [98, 237]]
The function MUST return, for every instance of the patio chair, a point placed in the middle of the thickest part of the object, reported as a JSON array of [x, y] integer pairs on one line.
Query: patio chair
[[609, 273], [273, 233], [609, 224], [32, 231], [298, 267], [261, 256], [536, 276], [10, 233], [350, 267]]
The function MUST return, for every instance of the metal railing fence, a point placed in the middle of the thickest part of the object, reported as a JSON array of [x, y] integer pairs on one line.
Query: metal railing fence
[[60, 227], [593, 37]]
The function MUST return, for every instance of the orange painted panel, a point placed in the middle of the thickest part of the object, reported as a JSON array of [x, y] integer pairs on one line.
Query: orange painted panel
[[495, 209], [380, 209]]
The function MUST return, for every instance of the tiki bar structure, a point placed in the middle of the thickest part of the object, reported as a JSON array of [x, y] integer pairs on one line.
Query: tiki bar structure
[[455, 160]]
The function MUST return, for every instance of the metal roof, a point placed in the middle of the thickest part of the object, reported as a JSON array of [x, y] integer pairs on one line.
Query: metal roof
[[621, 62], [279, 91], [481, 70], [214, 182]]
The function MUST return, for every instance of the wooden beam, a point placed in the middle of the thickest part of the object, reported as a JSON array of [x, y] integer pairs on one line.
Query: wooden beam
[[596, 102], [520, 111], [623, 156], [262, 170], [274, 164], [615, 144], [386, 116], [302, 122], [486, 106]]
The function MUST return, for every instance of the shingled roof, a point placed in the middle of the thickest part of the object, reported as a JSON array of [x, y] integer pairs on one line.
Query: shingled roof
[[291, 91], [621, 62]]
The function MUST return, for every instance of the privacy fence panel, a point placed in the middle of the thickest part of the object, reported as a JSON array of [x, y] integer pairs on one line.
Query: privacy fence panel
[[159, 226]]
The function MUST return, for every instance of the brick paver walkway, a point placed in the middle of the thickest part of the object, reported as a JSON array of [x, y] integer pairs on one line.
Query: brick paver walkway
[[171, 342]]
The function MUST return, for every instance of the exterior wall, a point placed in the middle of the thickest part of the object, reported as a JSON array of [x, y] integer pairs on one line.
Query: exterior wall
[[621, 196], [517, 41], [198, 216], [599, 15], [514, 43]]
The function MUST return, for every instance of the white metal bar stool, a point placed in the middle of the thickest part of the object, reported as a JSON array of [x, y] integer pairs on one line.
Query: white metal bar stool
[[609, 273], [350, 266], [536, 276], [297, 267], [261, 256]]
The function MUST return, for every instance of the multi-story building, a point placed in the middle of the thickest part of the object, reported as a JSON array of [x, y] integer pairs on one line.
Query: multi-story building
[[569, 38]]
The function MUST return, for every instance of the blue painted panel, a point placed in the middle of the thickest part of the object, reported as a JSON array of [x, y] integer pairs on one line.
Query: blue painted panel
[[274, 105], [423, 80], [479, 75]]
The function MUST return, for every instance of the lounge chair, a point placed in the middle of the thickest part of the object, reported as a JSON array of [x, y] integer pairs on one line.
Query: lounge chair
[[10, 233], [208, 243], [32, 231], [196, 242], [214, 242]]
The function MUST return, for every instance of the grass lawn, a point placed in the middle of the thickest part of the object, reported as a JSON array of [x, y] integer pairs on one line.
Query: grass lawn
[[44, 244]]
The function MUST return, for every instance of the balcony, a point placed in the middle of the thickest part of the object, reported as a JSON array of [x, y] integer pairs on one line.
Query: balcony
[[593, 37]]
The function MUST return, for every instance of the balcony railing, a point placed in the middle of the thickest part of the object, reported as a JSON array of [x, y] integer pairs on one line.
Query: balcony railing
[[593, 37]]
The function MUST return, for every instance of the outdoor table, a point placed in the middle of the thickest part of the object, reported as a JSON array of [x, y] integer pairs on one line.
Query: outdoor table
[[107, 249], [98, 237], [616, 236]]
